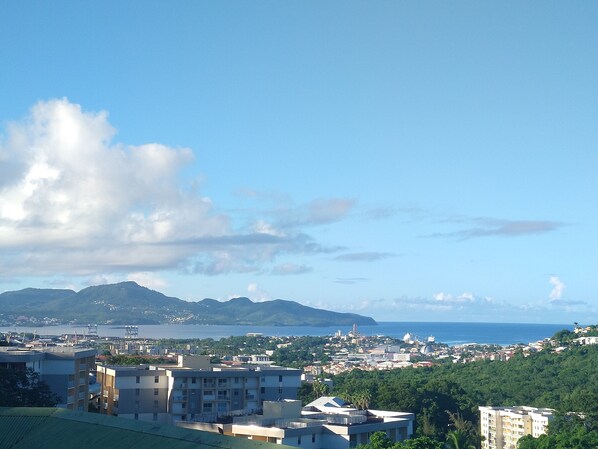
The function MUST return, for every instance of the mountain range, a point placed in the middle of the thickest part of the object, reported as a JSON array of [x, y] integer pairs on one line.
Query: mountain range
[[130, 303]]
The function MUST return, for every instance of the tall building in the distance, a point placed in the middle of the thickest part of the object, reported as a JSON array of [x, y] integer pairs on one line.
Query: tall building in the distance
[[192, 390], [502, 427]]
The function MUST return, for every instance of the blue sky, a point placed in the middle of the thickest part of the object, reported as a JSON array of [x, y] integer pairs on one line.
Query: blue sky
[[411, 161]]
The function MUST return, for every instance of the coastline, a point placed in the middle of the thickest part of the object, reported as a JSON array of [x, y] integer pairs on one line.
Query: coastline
[[451, 333]]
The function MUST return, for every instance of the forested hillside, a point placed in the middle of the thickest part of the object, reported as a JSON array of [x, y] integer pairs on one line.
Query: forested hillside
[[566, 381]]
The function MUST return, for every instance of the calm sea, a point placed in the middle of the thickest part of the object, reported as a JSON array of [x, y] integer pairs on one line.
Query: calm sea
[[449, 333]]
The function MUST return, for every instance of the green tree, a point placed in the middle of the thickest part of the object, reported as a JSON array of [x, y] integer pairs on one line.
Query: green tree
[[361, 399], [23, 388], [379, 440], [459, 439], [320, 388], [420, 443], [306, 393]]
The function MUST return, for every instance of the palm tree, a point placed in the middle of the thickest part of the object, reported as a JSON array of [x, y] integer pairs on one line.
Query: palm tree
[[458, 439], [320, 388], [362, 399]]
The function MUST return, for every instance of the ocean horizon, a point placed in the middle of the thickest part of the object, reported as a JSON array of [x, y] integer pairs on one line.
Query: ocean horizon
[[451, 333]]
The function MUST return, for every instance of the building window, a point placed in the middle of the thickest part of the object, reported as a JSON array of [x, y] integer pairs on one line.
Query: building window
[[279, 390], [156, 379], [155, 404], [137, 379], [193, 380], [236, 380], [156, 391], [207, 407], [136, 415], [280, 378], [299, 439], [263, 390], [136, 404], [136, 391], [313, 437]]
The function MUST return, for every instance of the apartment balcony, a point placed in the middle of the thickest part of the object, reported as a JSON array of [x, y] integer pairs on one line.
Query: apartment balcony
[[209, 397]]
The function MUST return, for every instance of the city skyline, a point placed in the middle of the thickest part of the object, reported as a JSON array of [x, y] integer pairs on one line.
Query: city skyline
[[409, 162]]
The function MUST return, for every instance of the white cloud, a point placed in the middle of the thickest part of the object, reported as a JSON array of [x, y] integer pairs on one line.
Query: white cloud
[[257, 293], [75, 203], [463, 298], [148, 280], [558, 287]]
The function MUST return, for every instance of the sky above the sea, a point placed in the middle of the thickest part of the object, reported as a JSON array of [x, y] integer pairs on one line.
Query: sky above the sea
[[410, 161]]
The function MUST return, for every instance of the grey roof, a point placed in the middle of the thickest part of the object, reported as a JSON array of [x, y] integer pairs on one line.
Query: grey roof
[[46, 428], [327, 401]]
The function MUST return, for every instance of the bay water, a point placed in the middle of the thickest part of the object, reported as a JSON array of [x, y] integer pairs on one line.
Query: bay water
[[448, 333]]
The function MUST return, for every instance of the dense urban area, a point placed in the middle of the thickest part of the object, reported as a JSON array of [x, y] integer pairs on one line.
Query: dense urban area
[[404, 393]]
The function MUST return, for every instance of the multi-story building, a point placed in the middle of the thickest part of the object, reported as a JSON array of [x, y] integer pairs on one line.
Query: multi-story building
[[501, 427], [326, 423], [192, 390], [64, 368]]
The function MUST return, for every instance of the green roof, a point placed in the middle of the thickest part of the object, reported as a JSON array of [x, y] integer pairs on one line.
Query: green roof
[[46, 428]]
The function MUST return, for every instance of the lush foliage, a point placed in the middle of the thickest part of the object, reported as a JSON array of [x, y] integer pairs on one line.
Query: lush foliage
[[566, 433], [125, 359], [379, 440], [23, 388], [565, 381]]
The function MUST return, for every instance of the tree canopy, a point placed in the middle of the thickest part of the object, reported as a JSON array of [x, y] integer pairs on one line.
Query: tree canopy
[[23, 388]]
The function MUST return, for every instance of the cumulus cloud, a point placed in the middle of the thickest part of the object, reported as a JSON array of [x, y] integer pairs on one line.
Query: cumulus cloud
[[558, 287], [463, 298], [72, 201], [258, 294], [446, 302], [147, 279]]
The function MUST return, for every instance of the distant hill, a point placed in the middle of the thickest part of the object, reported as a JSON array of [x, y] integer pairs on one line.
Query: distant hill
[[130, 303]]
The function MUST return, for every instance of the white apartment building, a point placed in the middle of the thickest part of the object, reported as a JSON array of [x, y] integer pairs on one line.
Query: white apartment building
[[502, 427], [326, 423], [192, 390], [64, 368]]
